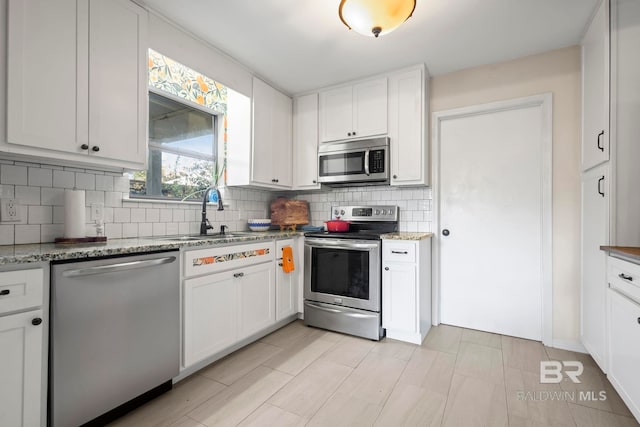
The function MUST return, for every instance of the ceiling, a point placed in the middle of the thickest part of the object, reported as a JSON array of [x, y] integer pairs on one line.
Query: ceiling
[[300, 45]]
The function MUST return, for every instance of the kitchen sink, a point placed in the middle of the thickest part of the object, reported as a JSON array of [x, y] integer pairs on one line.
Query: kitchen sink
[[195, 237]]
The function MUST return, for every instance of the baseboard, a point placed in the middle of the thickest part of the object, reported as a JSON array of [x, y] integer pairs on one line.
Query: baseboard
[[569, 345]]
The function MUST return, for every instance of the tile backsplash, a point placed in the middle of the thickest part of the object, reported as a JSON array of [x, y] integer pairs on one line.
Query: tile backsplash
[[39, 188]]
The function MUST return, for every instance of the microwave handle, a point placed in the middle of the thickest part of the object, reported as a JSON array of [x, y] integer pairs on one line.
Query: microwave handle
[[366, 162]]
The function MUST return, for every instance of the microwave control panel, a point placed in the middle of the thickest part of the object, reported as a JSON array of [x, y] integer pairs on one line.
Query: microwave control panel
[[376, 161]]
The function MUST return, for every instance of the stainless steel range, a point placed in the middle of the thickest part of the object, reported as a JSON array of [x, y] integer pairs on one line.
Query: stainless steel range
[[342, 279]]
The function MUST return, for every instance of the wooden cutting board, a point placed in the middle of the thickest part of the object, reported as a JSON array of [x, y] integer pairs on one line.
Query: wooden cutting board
[[289, 213]]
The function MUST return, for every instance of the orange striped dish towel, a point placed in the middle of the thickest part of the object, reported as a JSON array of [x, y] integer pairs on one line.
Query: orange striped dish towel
[[287, 259]]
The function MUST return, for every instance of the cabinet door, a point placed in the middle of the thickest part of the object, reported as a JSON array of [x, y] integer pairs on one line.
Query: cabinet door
[[118, 81], [46, 89], [409, 151], [256, 298], [305, 142], [595, 80], [21, 369], [263, 116], [282, 141], [595, 232], [399, 297], [370, 108], [210, 315], [626, 98], [286, 283], [624, 349], [336, 114]]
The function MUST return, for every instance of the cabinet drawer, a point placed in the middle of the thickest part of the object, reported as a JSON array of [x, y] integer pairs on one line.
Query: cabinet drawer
[[215, 259], [398, 252], [625, 277], [20, 290], [280, 244]]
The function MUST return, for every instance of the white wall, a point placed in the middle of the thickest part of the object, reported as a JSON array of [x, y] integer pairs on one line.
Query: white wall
[[180, 46], [557, 72]]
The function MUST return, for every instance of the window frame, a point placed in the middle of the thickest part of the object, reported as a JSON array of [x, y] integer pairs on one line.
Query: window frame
[[218, 129]]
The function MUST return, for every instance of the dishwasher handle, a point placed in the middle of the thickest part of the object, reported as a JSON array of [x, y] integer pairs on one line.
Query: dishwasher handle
[[122, 266]]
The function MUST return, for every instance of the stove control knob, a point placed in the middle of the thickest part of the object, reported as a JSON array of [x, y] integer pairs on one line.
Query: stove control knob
[[342, 212], [378, 212], [336, 212]]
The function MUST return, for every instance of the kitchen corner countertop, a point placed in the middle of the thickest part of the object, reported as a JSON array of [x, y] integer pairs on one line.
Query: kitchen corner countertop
[[405, 235], [627, 252], [22, 254]]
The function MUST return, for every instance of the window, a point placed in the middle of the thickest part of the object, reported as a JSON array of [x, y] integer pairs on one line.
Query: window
[[187, 116], [182, 151]]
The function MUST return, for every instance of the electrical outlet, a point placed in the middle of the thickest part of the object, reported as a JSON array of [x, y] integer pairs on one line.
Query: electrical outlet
[[10, 210], [97, 211]]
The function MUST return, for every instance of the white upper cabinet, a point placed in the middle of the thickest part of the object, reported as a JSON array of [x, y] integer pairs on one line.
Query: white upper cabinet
[[270, 160], [595, 90], [77, 81], [354, 111], [118, 100], [407, 128], [305, 142]]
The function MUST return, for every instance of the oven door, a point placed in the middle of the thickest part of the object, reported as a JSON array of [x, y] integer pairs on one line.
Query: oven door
[[343, 272]]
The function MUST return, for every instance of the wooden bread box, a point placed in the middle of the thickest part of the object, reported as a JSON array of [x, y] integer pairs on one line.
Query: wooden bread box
[[288, 214]]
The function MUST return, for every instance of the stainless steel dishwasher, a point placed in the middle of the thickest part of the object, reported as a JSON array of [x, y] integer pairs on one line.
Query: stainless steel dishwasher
[[114, 335]]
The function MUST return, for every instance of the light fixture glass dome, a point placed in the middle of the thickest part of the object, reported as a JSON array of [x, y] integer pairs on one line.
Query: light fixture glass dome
[[375, 17]]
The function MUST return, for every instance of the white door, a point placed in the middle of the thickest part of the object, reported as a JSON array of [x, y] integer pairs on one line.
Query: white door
[[494, 215]]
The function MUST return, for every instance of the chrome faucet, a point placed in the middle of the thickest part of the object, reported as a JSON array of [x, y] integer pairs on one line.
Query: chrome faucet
[[204, 223]]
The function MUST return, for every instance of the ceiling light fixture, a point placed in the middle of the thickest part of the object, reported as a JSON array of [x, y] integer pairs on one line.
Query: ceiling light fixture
[[375, 17]]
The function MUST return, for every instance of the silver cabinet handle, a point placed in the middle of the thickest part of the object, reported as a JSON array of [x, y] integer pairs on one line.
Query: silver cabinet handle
[[400, 252], [123, 266], [625, 277]]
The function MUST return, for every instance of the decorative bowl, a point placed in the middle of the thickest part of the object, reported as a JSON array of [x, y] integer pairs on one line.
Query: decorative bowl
[[259, 224]]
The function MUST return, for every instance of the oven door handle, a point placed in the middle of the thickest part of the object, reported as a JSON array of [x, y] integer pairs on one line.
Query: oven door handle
[[344, 313], [328, 243]]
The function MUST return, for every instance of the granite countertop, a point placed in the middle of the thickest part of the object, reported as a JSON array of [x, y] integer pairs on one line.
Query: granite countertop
[[627, 252], [21, 254], [405, 235]]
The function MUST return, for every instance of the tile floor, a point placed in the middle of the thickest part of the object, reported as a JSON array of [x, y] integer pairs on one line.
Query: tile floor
[[459, 377]]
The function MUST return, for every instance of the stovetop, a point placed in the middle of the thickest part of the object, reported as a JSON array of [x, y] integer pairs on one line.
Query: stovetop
[[366, 222], [360, 235]]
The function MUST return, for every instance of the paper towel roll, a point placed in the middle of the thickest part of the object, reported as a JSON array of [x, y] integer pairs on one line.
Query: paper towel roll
[[74, 214]]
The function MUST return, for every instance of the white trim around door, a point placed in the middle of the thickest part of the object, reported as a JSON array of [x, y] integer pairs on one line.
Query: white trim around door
[[544, 103]]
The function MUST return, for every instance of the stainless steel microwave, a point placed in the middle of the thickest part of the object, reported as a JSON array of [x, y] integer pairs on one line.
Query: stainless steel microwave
[[361, 162]]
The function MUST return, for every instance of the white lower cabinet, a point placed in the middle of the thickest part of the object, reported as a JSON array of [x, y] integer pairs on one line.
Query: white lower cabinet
[[22, 329], [286, 283], [595, 233], [406, 289], [229, 295], [256, 298], [210, 320], [624, 349], [623, 330]]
